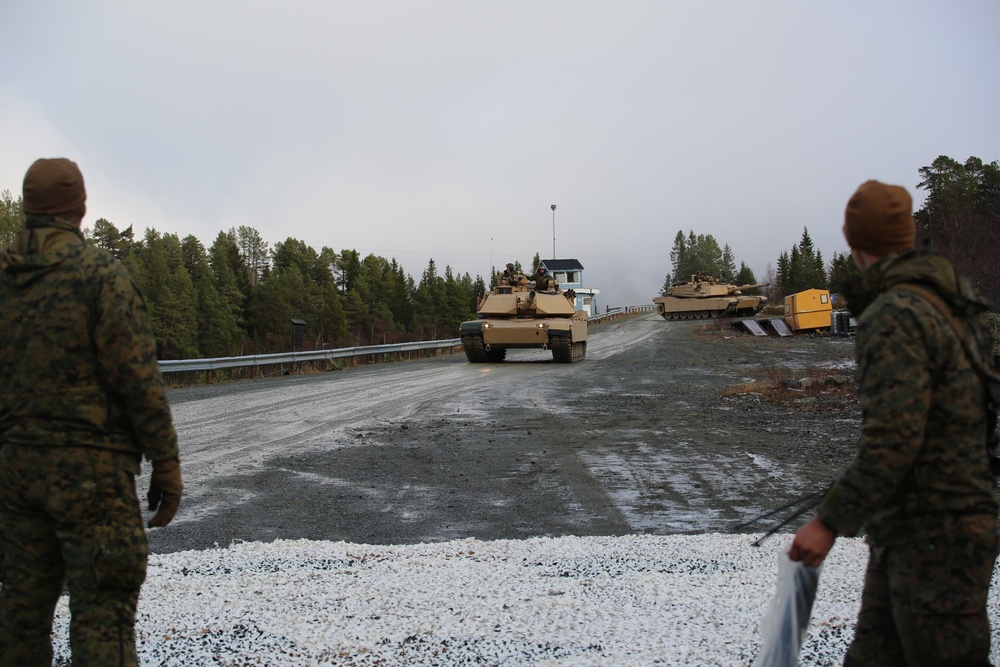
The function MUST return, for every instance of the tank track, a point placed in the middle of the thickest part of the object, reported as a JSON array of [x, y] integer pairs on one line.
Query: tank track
[[476, 352], [565, 351]]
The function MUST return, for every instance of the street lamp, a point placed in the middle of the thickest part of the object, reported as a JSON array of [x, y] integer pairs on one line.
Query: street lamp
[[553, 231]]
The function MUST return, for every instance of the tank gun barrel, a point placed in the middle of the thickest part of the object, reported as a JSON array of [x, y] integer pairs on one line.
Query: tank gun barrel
[[528, 303], [743, 287]]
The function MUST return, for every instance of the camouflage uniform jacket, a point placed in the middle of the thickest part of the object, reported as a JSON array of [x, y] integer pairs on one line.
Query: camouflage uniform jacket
[[544, 282], [922, 457], [79, 356]]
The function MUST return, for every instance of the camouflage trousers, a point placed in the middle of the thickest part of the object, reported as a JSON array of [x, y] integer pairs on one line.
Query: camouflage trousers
[[924, 603], [69, 514]]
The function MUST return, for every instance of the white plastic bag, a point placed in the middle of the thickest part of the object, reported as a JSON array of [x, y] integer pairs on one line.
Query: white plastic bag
[[784, 627]]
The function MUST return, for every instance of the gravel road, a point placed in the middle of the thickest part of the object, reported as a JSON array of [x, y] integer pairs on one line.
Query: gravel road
[[665, 428]]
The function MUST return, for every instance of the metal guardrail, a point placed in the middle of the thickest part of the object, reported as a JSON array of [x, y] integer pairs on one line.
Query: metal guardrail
[[615, 313], [220, 363]]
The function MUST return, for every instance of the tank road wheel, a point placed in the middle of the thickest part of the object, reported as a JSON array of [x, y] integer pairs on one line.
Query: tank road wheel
[[474, 349]]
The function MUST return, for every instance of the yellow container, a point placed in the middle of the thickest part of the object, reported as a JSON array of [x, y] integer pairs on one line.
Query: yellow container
[[808, 310]]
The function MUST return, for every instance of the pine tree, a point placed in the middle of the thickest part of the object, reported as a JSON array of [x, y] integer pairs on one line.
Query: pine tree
[[842, 271], [428, 303], [106, 236], [11, 217], [227, 284], [332, 328], [254, 253], [727, 266], [178, 323], [218, 331], [746, 277], [961, 218]]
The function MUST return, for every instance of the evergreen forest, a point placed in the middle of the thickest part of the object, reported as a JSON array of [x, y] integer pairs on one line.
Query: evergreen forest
[[240, 295], [960, 218]]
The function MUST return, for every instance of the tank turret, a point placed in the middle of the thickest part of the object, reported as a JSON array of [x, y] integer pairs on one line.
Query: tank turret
[[704, 297]]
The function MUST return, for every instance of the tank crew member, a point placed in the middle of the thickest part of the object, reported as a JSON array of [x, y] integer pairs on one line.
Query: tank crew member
[[920, 483], [511, 276], [508, 277], [81, 402], [542, 280]]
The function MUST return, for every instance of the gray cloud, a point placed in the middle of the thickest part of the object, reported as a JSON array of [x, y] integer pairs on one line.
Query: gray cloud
[[446, 129]]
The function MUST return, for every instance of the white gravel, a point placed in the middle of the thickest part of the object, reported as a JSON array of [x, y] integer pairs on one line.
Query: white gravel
[[636, 600]]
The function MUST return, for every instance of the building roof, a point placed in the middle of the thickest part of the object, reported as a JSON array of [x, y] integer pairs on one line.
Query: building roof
[[562, 264]]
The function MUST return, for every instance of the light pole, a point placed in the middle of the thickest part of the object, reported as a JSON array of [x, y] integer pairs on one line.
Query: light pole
[[553, 231]]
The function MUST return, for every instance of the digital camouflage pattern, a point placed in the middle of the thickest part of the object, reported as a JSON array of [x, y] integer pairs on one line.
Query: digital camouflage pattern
[[74, 326], [920, 484], [922, 455], [924, 603], [543, 281], [70, 513], [81, 402]]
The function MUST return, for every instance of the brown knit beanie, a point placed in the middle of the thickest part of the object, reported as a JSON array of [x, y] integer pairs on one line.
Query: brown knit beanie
[[879, 219], [54, 186]]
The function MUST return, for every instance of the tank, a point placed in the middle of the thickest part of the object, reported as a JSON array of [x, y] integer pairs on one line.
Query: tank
[[518, 316], [703, 297]]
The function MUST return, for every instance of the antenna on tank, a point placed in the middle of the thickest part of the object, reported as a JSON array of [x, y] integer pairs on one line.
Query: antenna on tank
[[553, 231]]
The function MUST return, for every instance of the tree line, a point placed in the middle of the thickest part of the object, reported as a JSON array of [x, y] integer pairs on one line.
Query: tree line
[[960, 218], [239, 295]]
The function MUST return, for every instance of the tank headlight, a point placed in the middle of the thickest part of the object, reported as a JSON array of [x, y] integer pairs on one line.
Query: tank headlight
[[543, 325], [487, 325]]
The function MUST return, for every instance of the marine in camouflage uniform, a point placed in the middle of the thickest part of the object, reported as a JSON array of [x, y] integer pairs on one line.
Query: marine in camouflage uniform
[[543, 282], [81, 402], [512, 277], [920, 484]]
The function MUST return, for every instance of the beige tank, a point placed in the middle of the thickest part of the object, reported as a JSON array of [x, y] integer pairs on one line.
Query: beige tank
[[703, 297], [518, 316]]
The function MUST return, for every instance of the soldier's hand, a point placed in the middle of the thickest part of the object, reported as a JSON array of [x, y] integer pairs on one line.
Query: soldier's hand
[[165, 489], [812, 543]]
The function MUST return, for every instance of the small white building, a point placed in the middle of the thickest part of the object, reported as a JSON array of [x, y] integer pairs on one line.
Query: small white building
[[569, 274]]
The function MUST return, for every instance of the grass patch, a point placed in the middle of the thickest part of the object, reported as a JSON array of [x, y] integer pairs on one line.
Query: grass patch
[[814, 389]]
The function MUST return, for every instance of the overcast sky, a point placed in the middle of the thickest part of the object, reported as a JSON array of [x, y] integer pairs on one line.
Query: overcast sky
[[446, 129]]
